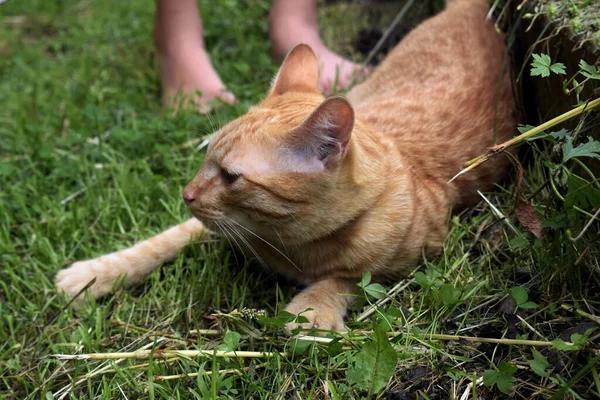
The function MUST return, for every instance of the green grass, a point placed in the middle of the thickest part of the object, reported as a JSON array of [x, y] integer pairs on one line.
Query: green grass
[[90, 164], [578, 16]]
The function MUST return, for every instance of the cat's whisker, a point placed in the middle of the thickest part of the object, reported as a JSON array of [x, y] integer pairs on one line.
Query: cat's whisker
[[294, 217], [246, 242], [250, 247], [230, 234], [223, 231], [281, 240], [219, 121], [233, 234], [212, 123], [210, 136], [265, 241], [205, 142]]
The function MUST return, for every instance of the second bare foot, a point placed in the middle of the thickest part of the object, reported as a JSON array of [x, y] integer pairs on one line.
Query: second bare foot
[[337, 72]]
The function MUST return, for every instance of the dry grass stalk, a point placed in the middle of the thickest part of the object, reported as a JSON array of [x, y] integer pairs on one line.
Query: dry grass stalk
[[591, 317], [195, 374], [147, 354], [198, 332], [499, 148], [498, 213], [438, 336], [316, 339], [585, 228], [138, 366], [531, 328], [64, 392], [467, 391], [189, 143], [518, 342], [403, 284], [206, 332]]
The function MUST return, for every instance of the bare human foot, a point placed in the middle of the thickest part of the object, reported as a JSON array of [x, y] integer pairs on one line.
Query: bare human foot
[[186, 72], [188, 77], [336, 72], [294, 22]]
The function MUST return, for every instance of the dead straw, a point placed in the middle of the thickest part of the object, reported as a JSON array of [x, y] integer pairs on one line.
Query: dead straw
[[457, 338], [147, 354], [195, 374], [572, 309], [499, 148]]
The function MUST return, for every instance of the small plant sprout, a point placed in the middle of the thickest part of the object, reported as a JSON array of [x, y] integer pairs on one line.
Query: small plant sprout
[[502, 377], [542, 66]]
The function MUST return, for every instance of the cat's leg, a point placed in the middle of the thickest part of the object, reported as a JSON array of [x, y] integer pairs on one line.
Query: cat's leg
[[328, 300], [131, 264]]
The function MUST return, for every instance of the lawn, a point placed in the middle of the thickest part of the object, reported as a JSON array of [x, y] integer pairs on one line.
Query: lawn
[[90, 164]]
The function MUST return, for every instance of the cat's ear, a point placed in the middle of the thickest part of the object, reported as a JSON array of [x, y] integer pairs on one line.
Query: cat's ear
[[322, 139], [298, 73]]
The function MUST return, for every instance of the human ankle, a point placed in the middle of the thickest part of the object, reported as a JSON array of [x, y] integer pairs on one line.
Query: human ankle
[[286, 33]]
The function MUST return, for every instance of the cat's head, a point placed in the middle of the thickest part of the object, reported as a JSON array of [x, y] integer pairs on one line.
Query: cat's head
[[274, 170]]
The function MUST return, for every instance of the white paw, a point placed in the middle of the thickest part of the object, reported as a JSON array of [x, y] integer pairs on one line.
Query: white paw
[[322, 318], [71, 280]]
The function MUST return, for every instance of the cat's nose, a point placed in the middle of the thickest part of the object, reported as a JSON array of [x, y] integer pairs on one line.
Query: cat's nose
[[188, 195]]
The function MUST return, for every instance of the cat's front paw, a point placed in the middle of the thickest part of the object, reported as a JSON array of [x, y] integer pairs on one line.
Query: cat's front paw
[[71, 280], [319, 317]]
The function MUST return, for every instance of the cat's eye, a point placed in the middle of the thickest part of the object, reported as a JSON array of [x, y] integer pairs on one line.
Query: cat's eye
[[229, 177]]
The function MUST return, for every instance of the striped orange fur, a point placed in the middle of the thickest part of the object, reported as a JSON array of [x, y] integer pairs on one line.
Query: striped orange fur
[[132, 264], [322, 190]]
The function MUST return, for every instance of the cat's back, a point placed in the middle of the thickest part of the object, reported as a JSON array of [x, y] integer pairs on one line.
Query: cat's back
[[446, 52], [444, 95]]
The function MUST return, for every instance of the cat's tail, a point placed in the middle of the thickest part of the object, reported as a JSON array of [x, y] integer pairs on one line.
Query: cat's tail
[[131, 264]]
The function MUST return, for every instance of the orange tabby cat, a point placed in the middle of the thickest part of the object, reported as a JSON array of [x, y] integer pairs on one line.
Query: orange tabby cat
[[324, 189]]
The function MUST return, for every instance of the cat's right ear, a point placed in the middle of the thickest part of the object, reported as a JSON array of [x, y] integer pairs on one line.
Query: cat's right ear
[[298, 73], [322, 139]]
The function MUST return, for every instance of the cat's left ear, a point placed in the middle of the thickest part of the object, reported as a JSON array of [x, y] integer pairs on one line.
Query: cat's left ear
[[298, 73], [322, 139]]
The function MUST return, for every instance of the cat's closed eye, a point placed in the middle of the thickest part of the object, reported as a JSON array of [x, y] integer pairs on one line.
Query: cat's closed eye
[[229, 177]]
